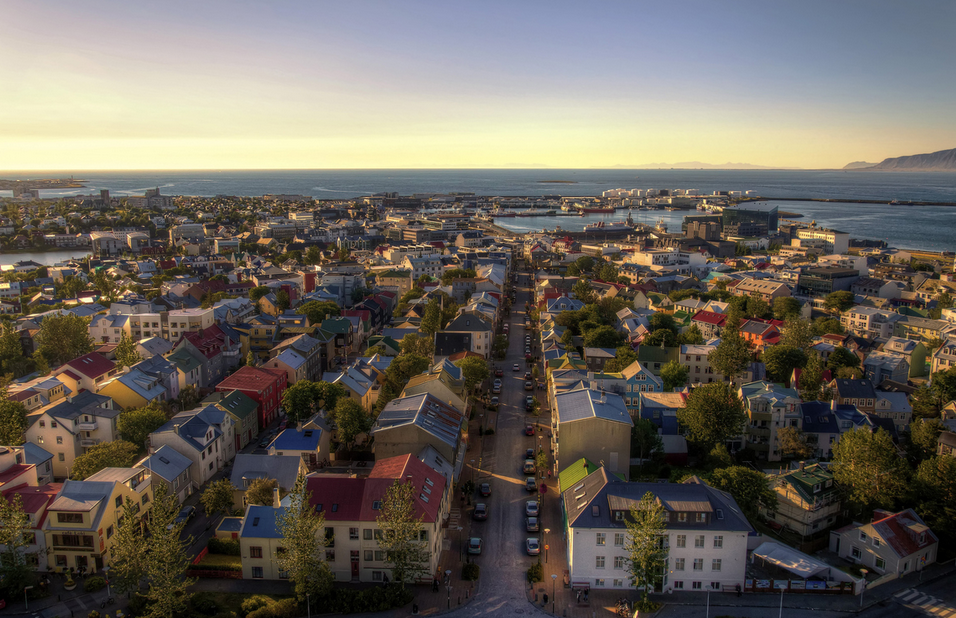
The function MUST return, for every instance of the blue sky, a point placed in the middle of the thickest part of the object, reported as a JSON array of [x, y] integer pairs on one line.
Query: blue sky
[[442, 84]]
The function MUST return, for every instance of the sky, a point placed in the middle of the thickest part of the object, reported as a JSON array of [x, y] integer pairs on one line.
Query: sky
[[367, 84]]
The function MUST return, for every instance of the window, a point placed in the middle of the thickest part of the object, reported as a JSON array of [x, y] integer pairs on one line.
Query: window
[[682, 517], [109, 532], [682, 540], [255, 552], [69, 518], [618, 539], [379, 556], [59, 439], [856, 553], [618, 583], [368, 555], [698, 564], [715, 585], [906, 567], [367, 534], [42, 424], [376, 576], [678, 564], [330, 555], [699, 541], [599, 562], [701, 518], [353, 534], [876, 542], [678, 585], [863, 536], [256, 572], [601, 538], [618, 562], [880, 563], [598, 583], [52, 424], [715, 564], [61, 457], [718, 542], [696, 586], [377, 534]]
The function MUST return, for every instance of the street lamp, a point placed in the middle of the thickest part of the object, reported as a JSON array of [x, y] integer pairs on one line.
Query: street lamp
[[308, 604], [26, 602], [448, 579], [554, 578], [461, 548], [863, 572], [106, 572], [547, 531]]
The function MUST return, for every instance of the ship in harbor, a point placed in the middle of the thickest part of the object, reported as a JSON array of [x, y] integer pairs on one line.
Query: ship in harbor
[[613, 226]]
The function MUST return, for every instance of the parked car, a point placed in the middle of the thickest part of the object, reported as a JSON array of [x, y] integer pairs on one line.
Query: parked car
[[532, 546], [529, 430], [531, 524], [528, 385], [474, 546], [499, 372], [528, 467], [529, 402], [527, 375], [496, 389], [529, 454], [515, 367], [184, 515], [265, 441], [485, 489], [530, 484], [494, 401], [531, 507], [283, 424], [481, 512]]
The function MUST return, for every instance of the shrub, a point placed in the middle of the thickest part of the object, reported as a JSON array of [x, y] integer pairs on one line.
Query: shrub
[[93, 614], [535, 572], [286, 608], [214, 567], [138, 605], [228, 547], [470, 572], [92, 584], [253, 603], [203, 604], [377, 599]]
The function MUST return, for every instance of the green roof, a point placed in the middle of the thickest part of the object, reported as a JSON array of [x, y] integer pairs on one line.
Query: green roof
[[338, 326], [576, 472], [183, 360], [804, 480], [653, 354], [237, 404]]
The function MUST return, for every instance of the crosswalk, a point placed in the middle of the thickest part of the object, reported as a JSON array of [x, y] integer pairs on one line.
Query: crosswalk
[[914, 599]]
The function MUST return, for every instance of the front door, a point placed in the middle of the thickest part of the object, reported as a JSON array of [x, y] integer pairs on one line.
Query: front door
[[355, 565]]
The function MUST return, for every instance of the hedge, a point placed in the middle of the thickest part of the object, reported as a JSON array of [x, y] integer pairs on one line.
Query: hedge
[[227, 548]]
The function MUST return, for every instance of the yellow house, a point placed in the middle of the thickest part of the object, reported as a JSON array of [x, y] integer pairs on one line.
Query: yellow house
[[83, 518]]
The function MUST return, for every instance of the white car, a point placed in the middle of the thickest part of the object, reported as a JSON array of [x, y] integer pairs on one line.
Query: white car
[[531, 508]]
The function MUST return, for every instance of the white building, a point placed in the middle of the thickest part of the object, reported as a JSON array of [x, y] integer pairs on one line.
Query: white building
[[869, 322], [834, 241]]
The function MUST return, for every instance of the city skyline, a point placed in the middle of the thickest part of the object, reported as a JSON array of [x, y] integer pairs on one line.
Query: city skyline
[[428, 85]]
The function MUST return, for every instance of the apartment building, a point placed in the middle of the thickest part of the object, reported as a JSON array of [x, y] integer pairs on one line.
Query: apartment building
[[834, 241], [869, 322], [771, 407], [67, 429]]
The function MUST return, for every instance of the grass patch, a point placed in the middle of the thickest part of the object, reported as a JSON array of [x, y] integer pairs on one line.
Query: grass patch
[[232, 601], [221, 560]]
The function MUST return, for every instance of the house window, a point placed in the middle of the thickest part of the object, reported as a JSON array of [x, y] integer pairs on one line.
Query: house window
[[599, 583], [368, 555], [682, 517], [255, 552], [880, 564], [52, 424], [256, 572], [379, 556], [618, 539], [678, 564], [330, 555], [353, 534], [682, 540], [678, 585], [61, 457], [876, 542], [856, 553], [696, 586], [601, 538], [119, 501], [599, 562], [718, 542], [109, 532], [145, 499], [699, 541], [42, 424], [698, 564], [862, 536], [701, 518], [715, 564], [618, 583], [618, 562]]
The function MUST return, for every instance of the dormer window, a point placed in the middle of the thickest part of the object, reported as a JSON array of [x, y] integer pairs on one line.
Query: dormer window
[[816, 488], [682, 517]]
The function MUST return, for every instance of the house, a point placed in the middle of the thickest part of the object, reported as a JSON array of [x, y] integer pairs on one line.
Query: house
[[284, 469], [761, 333], [86, 372], [879, 366], [307, 347], [869, 322], [892, 543], [923, 329], [213, 349], [824, 423], [770, 407], [596, 358], [408, 424], [196, 438], [36, 501], [945, 357], [706, 534], [292, 363], [441, 385], [189, 368], [311, 444], [591, 424], [243, 411], [37, 393], [69, 428], [808, 501], [263, 385], [661, 409], [481, 332], [166, 466], [763, 289], [82, 521], [913, 351], [857, 393], [894, 407]]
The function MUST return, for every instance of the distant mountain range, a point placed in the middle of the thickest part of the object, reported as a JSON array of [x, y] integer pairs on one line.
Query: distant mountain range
[[858, 165], [698, 165], [942, 161]]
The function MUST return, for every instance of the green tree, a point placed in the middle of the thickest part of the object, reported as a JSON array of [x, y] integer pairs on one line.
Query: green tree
[[313, 255], [62, 338], [351, 420], [624, 358], [474, 370], [922, 438], [826, 326], [781, 360], [116, 454], [607, 272], [11, 352], [712, 415], [218, 498], [691, 336], [811, 378], [406, 551], [602, 337], [301, 400], [583, 291], [457, 273], [573, 270], [13, 419], [662, 320], [316, 311], [757, 307], [842, 357], [188, 397], [167, 559], [793, 443], [136, 424], [15, 538], [584, 263], [418, 345], [927, 402], [840, 301], [127, 566], [70, 287], [867, 467], [431, 320], [796, 334], [748, 487], [732, 355], [645, 441], [935, 492], [674, 375], [301, 528], [106, 286], [646, 554], [785, 307], [261, 491], [258, 292], [282, 301]]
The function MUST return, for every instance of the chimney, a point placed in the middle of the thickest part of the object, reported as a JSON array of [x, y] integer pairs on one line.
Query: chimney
[[275, 496], [803, 466], [833, 405], [176, 428]]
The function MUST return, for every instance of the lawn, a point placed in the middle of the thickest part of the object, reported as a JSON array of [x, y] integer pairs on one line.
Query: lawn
[[231, 601], [221, 560]]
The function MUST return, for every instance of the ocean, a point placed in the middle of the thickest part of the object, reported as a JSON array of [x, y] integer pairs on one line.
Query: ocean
[[917, 227]]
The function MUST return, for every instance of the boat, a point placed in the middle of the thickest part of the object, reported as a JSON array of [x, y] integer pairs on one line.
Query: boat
[[601, 226], [662, 225], [598, 210]]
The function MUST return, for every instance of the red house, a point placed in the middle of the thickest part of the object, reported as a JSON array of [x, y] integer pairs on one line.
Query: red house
[[261, 384]]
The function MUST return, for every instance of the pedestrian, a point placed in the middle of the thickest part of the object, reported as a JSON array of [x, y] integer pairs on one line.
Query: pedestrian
[[578, 596], [738, 590], [545, 599]]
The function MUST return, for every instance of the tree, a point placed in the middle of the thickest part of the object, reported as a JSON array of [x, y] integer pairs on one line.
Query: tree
[[644, 545], [785, 307], [842, 357], [167, 559], [106, 286], [116, 454], [351, 420], [712, 415], [431, 320], [674, 375], [748, 487], [781, 360], [282, 301], [301, 400], [757, 307], [732, 355], [300, 526], [317, 310], [418, 345], [660, 338], [848, 373], [125, 352], [136, 424], [922, 437], [691, 336], [457, 273], [811, 378], [935, 490], [607, 272], [584, 263], [261, 491], [645, 441], [403, 367], [406, 552], [583, 291], [11, 352], [826, 326], [839, 301], [63, 337], [359, 293], [70, 287], [662, 320], [127, 566], [474, 370], [927, 402], [624, 358], [15, 537], [258, 292], [313, 255], [796, 334], [189, 396], [219, 497], [602, 337], [866, 465], [13, 419], [793, 443]]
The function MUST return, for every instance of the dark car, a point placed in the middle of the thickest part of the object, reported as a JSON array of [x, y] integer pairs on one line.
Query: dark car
[[529, 430], [531, 524], [530, 485], [499, 372], [529, 454], [184, 515], [265, 441], [529, 402], [481, 512], [485, 489], [527, 375]]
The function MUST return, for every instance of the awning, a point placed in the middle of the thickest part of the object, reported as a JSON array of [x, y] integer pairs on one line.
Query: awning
[[796, 562]]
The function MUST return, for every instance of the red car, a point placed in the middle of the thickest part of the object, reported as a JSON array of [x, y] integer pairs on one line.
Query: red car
[[499, 373], [529, 430]]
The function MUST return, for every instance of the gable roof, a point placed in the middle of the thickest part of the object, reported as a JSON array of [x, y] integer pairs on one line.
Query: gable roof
[[91, 365], [902, 530], [427, 412], [247, 467], [586, 403]]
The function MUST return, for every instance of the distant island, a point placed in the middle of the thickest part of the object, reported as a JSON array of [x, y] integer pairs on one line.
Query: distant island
[[698, 165], [42, 183], [941, 161], [858, 165], [557, 182]]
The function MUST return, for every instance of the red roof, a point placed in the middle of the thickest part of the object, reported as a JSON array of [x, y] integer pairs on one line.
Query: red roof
[[250, 379], [896, 530], [36, 499], [710, 317], [363, 314], [12, 473], [209, 343], [92, 365], [353, 499]]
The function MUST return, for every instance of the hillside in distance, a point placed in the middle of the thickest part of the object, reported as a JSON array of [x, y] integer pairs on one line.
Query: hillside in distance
[[941, 161], [858, 165], [698, 165]]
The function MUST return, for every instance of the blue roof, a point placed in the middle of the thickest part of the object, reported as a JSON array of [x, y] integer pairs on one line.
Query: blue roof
[[33, 454], [297, 440], [819, 418], [260, 522], [167, 462]]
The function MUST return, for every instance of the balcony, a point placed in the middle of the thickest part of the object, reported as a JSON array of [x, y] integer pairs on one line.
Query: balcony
[[87, 426], [88, 442], [231, 353]]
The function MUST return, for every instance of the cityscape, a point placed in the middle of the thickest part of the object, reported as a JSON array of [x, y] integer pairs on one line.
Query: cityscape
[[396, 311]]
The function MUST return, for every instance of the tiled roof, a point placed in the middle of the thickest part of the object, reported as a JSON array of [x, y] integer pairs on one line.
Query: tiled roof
[[902, 531], [91, 365], [248, 379]]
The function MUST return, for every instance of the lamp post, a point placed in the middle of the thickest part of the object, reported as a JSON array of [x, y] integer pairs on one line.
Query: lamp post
[[308, 604], [781, 603], [26, 602], [547, 531], [863, 572], [106, 572], [448, 579], [461, 549], [554, 578]]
